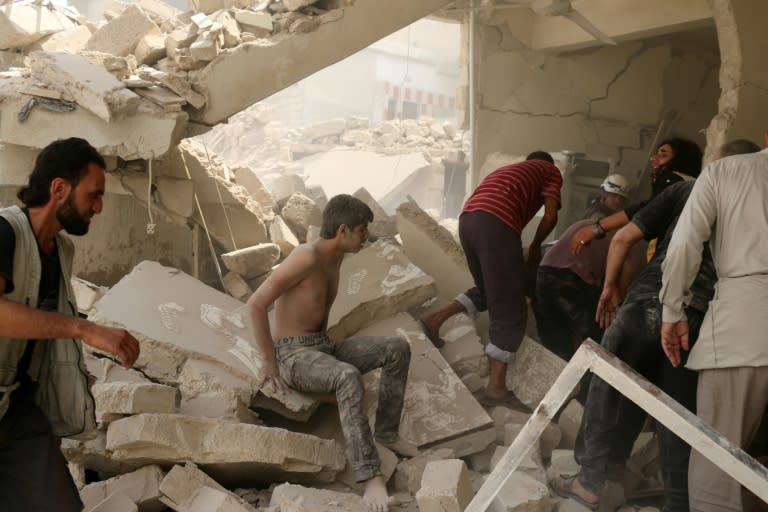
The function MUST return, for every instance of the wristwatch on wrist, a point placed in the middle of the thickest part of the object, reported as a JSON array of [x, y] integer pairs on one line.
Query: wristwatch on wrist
[[598, 230]]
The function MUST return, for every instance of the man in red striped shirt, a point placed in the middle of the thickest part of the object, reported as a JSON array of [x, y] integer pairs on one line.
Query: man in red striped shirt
[[490, 226]]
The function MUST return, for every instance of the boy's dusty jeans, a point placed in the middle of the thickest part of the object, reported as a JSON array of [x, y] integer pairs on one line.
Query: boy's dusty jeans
[[315, 364]]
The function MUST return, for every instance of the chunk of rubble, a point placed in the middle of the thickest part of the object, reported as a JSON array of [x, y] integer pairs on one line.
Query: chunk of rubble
[[295, 5], [227, 451], [252, 261], [285, 186], [207, 499], [245, 177], [21, 25], [142, 487], [410, 471], [282, 235], [86, 293], [176, 82], [323, 129], [445, 487], [177, 318], [562, 462], [223, 405], [71, 40], [533, 372], [439, 411], [116, 399], [92, 87], [236, 286], [376, 283], [116, 502], [433, 248], [150, 49], [300, 212], [463, 347], [549, 440], [93, 454], [105, 371], [181, 482], [523, 493], [230, 31], [295, 498], [383, 225], [254, 22], [531, 464], [121, 35]]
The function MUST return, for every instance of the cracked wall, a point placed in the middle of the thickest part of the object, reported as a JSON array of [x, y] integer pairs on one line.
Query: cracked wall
[[606, 102]]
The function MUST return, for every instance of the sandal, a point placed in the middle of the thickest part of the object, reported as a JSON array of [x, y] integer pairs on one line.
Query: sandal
[[563, 487]]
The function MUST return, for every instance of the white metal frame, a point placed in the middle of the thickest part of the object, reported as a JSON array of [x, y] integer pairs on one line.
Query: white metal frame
[[592, 357]]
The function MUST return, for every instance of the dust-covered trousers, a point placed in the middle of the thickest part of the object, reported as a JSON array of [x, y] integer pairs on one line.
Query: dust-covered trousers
[[315, 364]]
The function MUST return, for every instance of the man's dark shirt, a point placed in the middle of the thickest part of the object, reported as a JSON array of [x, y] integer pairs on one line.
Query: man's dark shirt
[[660, 183], [658, 220]]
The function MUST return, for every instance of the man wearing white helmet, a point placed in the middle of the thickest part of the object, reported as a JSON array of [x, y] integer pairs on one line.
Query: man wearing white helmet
[[615, 192]]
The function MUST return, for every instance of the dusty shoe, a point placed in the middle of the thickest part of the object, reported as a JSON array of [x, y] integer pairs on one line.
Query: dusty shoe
[[570, 487]]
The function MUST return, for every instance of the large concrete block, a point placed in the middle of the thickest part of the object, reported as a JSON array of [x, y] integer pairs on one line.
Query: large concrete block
[[300, 212], [383, 225], [181, 482], [93, 454], [439, 411], [22, 25], [432, 247], [122, 34], [223, 405], [252, 261], [533, 372], [141, 486], [177, 318], [295, 498], [285, 185], [282, 235], [236, 286], [445, 487], [120, 398], [410, 471], [92, 87], [376, 283], [230, 452]]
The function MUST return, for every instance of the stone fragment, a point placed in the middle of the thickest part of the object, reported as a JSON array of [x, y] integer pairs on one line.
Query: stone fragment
[[159, 10], [383, 225], [23, 25], [176, 82], [205, 48], [180, 38], [176, 318], [321, 130], [295, 5], [206, 499], [252, 261], [254, 21], [224, 405], [533, 372], [120, 398], [229, 28], [106, 371], [93, 454], [569, 422], [248, 179], [282, 235], [86, 294], [150, 49], [300, 212], [121, 35], [481, 461], [92, 87], [222, 448], [116, 502], [295, 498], [236, 286], [463, 347], [445, 487], [350, 137], [71, 40], [410, 471], [142, 487], [377, 282], [285, 186], [433, 248], [317, 194], [438, 411], [549, 440], [523, 493], [531, 464], [562, 462], [181, 482]]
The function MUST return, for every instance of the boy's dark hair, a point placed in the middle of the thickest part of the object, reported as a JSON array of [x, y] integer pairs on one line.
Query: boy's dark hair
[[739, 147], [67, 159], [541, 155], [344, 209], [687, 157]]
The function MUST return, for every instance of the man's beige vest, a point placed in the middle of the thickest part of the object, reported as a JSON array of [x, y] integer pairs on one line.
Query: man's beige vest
[[58, 366]]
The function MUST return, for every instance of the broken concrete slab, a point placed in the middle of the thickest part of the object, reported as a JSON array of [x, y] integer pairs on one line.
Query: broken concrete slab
[[230, 452], [86, 294], [142, 487], [376, 283], [115, 399], [223, 405], [93, 88], [295, 498], [182, 481], [433, 248], [175, 81], [71, 40], [569, 422], [150, 49], [438, 411], [254, 22], [116, 502], [177, 318], [410, 471], [21, 25], [282, 235], [295, 5], [533, 372], [253, 261], [445, 487], [206, 499], [105, 371], [121, 35], [199, 376], [245, 177], [93, 454], [299, 213], [383, 225], [236, 286]]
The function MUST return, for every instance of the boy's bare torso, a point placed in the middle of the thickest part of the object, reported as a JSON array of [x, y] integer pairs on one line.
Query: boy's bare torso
[[304, 308]]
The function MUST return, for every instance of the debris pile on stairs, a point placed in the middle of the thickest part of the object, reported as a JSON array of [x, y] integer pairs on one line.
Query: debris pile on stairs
[[192, 428]]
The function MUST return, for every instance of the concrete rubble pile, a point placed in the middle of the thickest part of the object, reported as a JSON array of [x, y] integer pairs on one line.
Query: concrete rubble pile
[[191, 427]]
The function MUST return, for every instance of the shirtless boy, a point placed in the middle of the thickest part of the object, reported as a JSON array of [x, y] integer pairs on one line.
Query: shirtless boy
[[301, 356]]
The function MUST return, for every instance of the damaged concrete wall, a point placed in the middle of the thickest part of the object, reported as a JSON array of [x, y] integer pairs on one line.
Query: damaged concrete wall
[[606, 102]]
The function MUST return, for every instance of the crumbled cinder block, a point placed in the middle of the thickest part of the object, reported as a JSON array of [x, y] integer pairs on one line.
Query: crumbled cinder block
[[141, 486], [122, 34], [252, 261], [445, 487]]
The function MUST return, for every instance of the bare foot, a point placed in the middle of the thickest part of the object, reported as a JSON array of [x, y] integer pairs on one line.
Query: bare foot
[[401, 447], [375, 495]]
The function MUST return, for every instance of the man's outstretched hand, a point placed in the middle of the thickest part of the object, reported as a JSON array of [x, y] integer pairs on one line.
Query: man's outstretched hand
[[115, 341], [674, 337]]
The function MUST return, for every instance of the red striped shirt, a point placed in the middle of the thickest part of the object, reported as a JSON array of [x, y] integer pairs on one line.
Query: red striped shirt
[[514, 193]]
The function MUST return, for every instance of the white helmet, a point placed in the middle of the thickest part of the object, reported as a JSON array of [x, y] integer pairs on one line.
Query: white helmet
[[616, 184]]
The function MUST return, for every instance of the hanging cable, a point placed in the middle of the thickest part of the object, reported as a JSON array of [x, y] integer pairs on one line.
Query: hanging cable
[[151, 226], [221, 199]]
